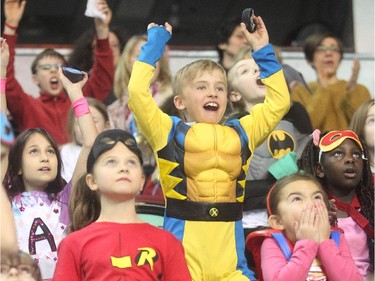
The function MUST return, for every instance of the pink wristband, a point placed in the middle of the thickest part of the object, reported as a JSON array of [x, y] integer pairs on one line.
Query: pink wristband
[[3, 82], [81, 107]]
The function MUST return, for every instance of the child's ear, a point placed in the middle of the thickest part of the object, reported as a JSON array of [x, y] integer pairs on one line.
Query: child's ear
[[275, 223], [179, 103], [319, 170], [235, 96], [91, 182]]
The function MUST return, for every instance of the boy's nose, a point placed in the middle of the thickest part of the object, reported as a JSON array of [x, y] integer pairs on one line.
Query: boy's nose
[[212, 93]]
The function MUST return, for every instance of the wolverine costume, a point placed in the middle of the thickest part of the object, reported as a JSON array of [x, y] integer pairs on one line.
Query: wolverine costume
[[203, 166]]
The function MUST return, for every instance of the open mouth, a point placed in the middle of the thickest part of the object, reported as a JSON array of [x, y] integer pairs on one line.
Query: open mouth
[[350, 173], [259, 82], [211, 106], [54, 83]]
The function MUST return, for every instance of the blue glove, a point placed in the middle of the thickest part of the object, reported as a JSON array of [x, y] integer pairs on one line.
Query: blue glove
[[152, 51]]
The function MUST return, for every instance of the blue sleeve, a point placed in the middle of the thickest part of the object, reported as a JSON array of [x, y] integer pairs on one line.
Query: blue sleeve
[[153, 49], [266, 60]]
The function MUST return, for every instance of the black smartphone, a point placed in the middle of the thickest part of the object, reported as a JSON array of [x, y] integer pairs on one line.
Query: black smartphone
[[72, 74], [247, 19]]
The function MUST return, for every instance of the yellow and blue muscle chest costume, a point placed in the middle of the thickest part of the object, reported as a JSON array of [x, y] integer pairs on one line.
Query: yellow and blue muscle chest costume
[[203, 166]]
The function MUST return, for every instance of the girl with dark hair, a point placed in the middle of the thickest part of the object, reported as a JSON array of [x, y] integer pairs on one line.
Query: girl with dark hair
[[38, 193], [339, 161], [109, 241]]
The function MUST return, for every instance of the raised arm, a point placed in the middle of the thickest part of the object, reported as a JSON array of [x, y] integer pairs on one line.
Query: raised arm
[[265, 116], [85, 121], [144, 108], [8, 239], [102, 74], [4, 63], [102, 25]]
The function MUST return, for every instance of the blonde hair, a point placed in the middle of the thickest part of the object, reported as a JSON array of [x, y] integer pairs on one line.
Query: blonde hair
[[239, 106], [357, 123], [93, 102], [124, 69], [189, 72]]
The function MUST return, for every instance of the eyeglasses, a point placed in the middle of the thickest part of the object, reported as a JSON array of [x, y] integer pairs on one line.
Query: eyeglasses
[[323, 48], [25, 269], [48, 66]]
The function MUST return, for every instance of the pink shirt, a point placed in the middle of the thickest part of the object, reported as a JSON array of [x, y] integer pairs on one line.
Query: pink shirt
[[357, 241], [336, 262]]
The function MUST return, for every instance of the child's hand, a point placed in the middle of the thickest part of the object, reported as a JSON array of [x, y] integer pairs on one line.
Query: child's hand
[[332, 212], [306, 228], [13, 11], [167, 26], [259, 38], [74, 90], [102, 25], [157, 38], [4, 56], [323, 220]]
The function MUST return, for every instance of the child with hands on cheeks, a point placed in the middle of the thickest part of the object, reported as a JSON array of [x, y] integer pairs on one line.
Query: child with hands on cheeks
[[202, 163], [297, 205], [38, 193]]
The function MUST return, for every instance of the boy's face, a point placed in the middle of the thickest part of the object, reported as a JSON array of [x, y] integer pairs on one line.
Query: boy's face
[[46, 76], [246, 81], [204, 99]]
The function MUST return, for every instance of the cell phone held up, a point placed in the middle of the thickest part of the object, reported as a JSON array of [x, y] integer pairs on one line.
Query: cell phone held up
[[72, 74], [247, 19]]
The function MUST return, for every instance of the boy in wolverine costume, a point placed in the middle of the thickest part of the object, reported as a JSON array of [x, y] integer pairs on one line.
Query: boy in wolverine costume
[[203, 164]]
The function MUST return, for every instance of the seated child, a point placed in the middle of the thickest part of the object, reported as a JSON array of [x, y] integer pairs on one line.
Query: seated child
[[300, 247], [109, 241], [339, 161]]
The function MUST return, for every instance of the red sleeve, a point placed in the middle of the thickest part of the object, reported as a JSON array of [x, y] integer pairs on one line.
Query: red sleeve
[[100, 82], [175, 267], [337, 261], [67, 267], [276, 267], [17, 99]]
